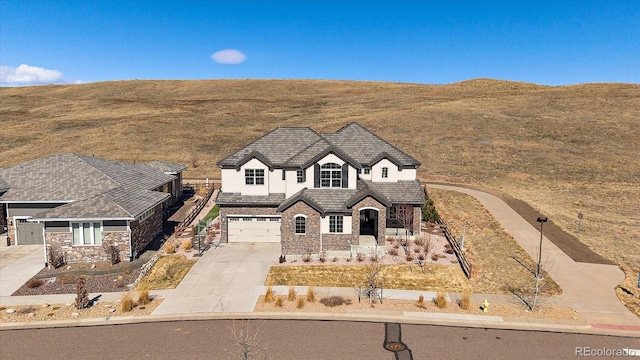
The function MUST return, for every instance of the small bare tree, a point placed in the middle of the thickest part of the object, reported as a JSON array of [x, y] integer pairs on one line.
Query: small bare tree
[[404, 214], [249, 342]]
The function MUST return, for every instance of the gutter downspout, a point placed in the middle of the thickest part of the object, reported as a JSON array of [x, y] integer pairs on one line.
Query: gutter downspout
[[44, 242], [130, 240]]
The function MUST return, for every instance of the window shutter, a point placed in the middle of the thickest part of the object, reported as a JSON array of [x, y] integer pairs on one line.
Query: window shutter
[[304, 175], [316, 175], [345, 175]]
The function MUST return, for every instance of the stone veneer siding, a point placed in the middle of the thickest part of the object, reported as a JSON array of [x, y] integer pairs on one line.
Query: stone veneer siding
[[11, 232], [88, 253], [382, 219], [417, 219], [225, 211], [298, 244], [336, 242], [143, 233]]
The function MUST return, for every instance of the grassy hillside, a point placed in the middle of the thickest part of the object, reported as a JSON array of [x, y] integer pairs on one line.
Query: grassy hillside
[[563, 150]]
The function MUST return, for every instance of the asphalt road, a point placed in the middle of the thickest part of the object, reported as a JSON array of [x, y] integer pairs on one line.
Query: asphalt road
[[279, 339]]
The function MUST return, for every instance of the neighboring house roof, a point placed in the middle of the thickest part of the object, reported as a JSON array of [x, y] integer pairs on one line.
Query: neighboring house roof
[[236, 199], [401, 192], [167, 167], [288, 147], [4, 186], [93, 187]]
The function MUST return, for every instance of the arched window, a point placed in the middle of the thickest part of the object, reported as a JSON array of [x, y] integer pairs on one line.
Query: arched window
[[301, 224], [331, 175]]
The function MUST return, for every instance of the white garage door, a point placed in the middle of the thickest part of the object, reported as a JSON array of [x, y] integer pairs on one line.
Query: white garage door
[[254, 229]]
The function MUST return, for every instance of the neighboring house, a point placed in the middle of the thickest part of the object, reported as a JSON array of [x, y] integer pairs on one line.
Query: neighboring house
[[314, 192], [82, 204]]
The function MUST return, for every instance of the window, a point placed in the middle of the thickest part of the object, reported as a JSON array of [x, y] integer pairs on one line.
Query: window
[[335, 224], [393, 212], [274, 219], [385, 172], [261, 219], [367, 171], [254, 176], [145, 214], [301, 224], [86, 233], [234, 219], [331, 175], [300, 176], [247, 219]]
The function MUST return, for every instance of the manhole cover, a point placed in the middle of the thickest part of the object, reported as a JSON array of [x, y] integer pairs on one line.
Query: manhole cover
[[395, 346]]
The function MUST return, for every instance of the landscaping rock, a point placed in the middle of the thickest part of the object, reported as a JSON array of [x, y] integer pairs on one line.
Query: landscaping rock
[[75, 314], [11, 311], [45, 305]]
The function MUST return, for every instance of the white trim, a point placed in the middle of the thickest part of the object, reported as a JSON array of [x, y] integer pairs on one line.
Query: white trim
[[295, 225], [36, 201], [369, 208], [81, 228]]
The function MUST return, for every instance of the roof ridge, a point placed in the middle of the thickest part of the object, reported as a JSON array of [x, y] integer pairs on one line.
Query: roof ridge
[[96, 169], [115, 202]]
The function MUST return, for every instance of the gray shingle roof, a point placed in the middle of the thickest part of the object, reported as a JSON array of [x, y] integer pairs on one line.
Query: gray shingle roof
[[296, 147], [249, 200], [401, 192], [167, 167], [97, 187], [4, 186]]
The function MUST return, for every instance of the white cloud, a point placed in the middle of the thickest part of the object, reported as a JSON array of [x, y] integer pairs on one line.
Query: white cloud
[[229, 56], [28, 75]]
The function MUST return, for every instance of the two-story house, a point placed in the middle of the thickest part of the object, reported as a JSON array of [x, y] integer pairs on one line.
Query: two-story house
[[313, 192]]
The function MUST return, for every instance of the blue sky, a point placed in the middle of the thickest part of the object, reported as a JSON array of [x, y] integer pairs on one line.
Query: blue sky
[[433, 42]]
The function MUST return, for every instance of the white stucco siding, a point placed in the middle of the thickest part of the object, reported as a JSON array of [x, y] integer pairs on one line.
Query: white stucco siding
[[234, 182], [353, 177], [330, 158], [394, 174], [346, 225], [292, 185], [276, 184]]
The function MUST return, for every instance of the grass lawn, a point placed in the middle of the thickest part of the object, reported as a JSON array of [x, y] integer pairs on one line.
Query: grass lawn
[[213, 213], [167, 273], [400, 276]]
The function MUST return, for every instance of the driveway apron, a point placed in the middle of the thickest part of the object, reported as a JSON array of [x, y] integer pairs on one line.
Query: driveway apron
[[19, 264], [229, 278]]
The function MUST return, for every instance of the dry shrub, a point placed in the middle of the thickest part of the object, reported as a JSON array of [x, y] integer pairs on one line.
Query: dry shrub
[[393, 252], [82, 295], [421, 304], [291, 295], [55, 257], [300, 302], [440, 300], [306, 257], [322, 256], [332, 301], [421, 257], [169, 247], [417, 250], [126, 302], [335, 259], [26, 310], [434, 257], [279, 301], [66, 279], [396, 245], [419, 242], [34, 283], [409, 257], [360, 257], [143, 297], [269, 296], [465, 301], [186, 244], [311, 294]]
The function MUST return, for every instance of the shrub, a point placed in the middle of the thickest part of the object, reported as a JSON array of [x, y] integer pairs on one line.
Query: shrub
[[279, 301], [322, 256], [291, 295], [360, 257], [449, 251], [126, 302], [349, 259], [186, 244], [396, 245], [465, 301], [170, 247], [419, 242], [374, 257], [306, 257], [332, 301], [335, 258], [66, 279], [82, 295], [311, 295], [282, 259], [300, 303], [417, 250], [434, 257], [143, 297], [26, 310], [55, 258], [120, 282], [421, 257], [34, 283], [112, 252], [393, 252], [429, 212], [269, 296], [421, 304], [409, 257], [440, 300]]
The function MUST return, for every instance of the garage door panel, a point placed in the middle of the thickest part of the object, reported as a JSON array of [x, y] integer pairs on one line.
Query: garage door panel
[[250, 229]]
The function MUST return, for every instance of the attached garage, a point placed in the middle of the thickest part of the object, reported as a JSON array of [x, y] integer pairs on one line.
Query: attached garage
[[253, 228], [29, 233]]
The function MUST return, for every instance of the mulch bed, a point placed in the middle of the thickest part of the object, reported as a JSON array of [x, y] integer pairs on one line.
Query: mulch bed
[[66, 283]]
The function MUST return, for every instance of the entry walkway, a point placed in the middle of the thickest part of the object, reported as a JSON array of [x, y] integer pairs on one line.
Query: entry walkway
[[588, 288]]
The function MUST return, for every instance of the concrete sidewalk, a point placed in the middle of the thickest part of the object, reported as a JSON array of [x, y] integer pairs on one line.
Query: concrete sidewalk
[[588, 288]]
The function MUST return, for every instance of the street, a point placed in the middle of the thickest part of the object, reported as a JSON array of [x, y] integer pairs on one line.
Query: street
[[280, 339]]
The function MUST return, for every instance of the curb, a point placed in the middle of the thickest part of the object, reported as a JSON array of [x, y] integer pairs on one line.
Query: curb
[[577, 327]]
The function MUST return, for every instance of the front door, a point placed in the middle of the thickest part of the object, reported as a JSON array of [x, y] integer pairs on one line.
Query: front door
[[369, 222]]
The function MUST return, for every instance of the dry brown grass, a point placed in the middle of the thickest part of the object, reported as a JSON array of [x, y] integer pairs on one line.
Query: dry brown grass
[[311, 294], [143, 297], [169, 247], [186, 244], [167, 273], [421, 304], [279, 301], [440, 300], [401, 276], [126, 302], [563, 150], [300, 302], [488, 247], [291, 295], [465, 300]]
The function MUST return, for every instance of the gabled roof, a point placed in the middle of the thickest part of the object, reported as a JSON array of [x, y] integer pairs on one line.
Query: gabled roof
[[363, 190], [93, 187], [167, 167], [237, 199], [288, 147], [401, 192], [322, 200]]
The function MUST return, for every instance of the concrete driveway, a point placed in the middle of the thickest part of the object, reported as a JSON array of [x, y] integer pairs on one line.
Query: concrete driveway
[[229, 278], [17, 265]]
